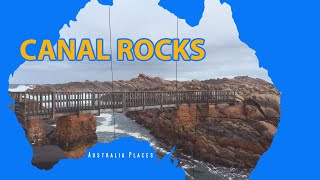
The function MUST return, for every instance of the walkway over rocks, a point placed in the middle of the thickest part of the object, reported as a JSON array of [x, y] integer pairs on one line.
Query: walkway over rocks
[[50, 105]]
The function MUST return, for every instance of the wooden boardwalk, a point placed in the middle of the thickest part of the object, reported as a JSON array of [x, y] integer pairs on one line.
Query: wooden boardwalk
[[50, 105]]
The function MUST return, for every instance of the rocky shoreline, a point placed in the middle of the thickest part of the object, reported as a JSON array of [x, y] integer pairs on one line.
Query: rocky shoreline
[[224, 135], [244, 85], [228, 135]]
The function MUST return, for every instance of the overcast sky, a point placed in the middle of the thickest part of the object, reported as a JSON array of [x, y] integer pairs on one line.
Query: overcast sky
[[226, 56]]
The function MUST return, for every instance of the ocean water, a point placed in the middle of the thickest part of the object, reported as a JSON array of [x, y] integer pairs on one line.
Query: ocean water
[[194, 169]]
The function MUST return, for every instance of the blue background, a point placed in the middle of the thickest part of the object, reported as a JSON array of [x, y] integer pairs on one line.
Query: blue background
[[285, 35]]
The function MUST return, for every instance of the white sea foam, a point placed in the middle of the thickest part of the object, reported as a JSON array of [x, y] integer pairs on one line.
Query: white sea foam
[[106, 125], [187, 166], [21, 88], [187, 161], [138, 136]]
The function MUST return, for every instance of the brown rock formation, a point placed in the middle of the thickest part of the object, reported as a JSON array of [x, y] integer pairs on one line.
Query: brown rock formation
[[245, 86], [71, 138], [74, 132], [226, 135], [35, 132]]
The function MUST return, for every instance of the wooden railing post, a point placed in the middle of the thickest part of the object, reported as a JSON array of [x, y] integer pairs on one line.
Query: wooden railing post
[[216, 97], [177, 98], [25, 109], [161, 101], [40, 102], [78, 97], [124, 99], [207, 96], [144, 100], [99, 101], [67, 101], [93, 100], [53, 105], [20, 97]]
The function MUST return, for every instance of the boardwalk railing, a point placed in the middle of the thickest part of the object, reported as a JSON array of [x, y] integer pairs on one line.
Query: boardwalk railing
[[55, 104]]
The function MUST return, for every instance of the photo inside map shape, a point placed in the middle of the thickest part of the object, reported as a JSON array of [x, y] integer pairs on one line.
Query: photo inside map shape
[[220, 113]]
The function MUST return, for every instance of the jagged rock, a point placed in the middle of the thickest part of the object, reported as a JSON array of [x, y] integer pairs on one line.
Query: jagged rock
[[253, 112], [235, 112], [227, 135], [266, 129], [245, 86], [74, 131], [270, 112]]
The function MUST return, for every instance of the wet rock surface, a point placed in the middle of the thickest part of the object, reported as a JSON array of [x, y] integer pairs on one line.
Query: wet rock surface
[[70, 137], [45, 157]]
